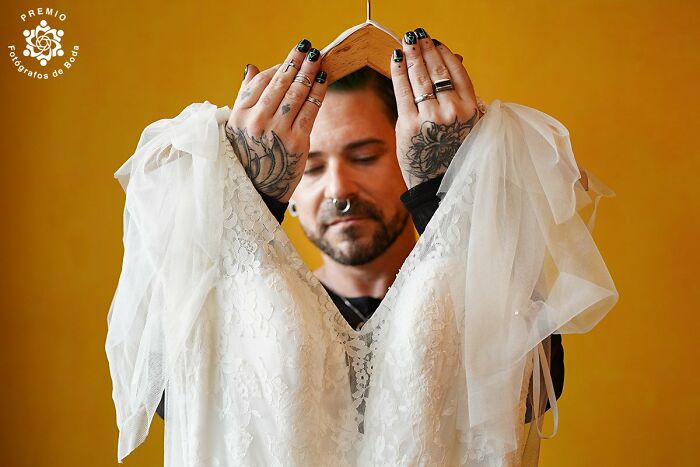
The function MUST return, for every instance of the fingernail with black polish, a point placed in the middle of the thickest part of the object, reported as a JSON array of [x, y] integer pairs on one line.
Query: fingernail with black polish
[[313, 55], [303, 45], [410, 37], [436, 42], [321, 77], [245, 70], [421, 33], [398, 55]]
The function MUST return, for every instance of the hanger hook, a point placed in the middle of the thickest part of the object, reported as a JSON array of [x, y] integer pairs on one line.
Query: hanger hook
[[369, 11]]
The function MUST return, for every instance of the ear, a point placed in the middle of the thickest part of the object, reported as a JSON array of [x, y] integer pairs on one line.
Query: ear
[[292, 208]]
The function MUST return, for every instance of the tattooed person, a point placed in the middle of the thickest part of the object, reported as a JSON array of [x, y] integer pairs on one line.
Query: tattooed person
[[356, 169]]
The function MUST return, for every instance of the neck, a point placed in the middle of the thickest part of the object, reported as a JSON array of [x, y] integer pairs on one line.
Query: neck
[[370, 279]]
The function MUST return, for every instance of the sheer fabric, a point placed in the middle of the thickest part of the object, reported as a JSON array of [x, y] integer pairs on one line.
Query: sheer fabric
[[215, 305]]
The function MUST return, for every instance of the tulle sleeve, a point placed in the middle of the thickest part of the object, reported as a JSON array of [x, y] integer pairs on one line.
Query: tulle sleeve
[[532, 267], [172, 233]]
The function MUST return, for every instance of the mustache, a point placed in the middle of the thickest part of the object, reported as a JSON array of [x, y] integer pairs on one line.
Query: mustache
[[358, 208]]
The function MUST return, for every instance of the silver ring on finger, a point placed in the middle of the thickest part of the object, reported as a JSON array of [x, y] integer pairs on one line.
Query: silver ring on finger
[[442, 85], [314, 101], [303, 79], [424, 97], [290, 63]]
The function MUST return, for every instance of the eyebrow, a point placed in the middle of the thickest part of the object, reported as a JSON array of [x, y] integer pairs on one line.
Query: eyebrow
[[353, 145]]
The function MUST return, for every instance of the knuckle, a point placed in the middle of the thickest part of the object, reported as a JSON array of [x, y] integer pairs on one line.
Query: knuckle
[[451, 115], [291, 144], [448, 109], [265, 100], [405, 92], [294, 94], [305, 122], [431, 116], [235, 120], [440, 70], [277, 83], [256, 124], [254, 130], [464, 113], [423, 80]]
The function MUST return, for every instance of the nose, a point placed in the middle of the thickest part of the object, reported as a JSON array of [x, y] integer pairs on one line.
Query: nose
[[340, 181]]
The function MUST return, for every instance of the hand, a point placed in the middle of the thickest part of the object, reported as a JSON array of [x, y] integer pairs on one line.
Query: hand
[[271, 121], [429, 133]]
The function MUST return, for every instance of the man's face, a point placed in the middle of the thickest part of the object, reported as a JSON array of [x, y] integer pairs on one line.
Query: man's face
[[352, 156]]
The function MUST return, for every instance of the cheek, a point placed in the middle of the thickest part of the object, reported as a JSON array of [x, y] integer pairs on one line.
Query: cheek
[[387, 195], [392, 183], [307, 212], [304, 197]]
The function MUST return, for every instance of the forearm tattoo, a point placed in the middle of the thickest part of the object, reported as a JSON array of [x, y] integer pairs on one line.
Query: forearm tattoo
[[434, 147], [270, 167]]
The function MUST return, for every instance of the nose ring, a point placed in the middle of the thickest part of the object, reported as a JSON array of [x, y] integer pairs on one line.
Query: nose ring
[[346, 205]]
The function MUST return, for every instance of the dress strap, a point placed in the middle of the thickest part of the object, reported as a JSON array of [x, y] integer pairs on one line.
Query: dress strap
[[551, 395]]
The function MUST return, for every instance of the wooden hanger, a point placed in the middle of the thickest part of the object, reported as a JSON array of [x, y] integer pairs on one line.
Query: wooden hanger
[[367, 44]]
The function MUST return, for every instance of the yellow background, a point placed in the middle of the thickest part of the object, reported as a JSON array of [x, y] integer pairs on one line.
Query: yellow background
[[621, 75]]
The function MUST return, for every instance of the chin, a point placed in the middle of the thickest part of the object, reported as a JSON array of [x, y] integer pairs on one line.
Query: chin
[[353, 233]]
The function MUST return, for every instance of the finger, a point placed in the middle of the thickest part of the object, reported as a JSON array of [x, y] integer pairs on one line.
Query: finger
[[402, 86], [584, 177], [434, 63], [295, 96], [274, 92], [253, 85], [306, 116], [460, 77], [417, 72], [249, 72]]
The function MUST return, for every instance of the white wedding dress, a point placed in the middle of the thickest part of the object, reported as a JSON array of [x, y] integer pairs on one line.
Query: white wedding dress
[[215, 306]]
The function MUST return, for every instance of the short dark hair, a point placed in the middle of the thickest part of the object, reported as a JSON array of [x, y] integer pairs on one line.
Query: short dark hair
[[365, 78]]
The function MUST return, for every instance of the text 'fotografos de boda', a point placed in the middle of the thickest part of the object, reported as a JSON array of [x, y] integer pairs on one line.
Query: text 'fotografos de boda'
[[44, 52]]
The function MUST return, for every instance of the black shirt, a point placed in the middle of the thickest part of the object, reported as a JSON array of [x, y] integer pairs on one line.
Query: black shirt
[[421, 201]]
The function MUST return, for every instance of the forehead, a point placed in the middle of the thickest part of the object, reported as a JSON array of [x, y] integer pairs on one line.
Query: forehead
[[346, 116]]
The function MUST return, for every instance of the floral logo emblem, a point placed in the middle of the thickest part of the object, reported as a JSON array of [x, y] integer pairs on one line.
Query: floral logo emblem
[[43, 42]]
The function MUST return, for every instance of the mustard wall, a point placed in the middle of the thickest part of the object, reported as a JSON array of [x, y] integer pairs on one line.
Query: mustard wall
[[621, 75]]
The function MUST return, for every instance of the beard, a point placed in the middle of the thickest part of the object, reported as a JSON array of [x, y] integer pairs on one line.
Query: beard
[[360, 248]]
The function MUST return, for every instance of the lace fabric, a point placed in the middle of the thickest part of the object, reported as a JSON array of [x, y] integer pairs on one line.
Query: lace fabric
[[261, 368]]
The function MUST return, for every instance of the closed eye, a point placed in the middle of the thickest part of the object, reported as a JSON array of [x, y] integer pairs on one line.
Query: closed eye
[[365, 160]]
